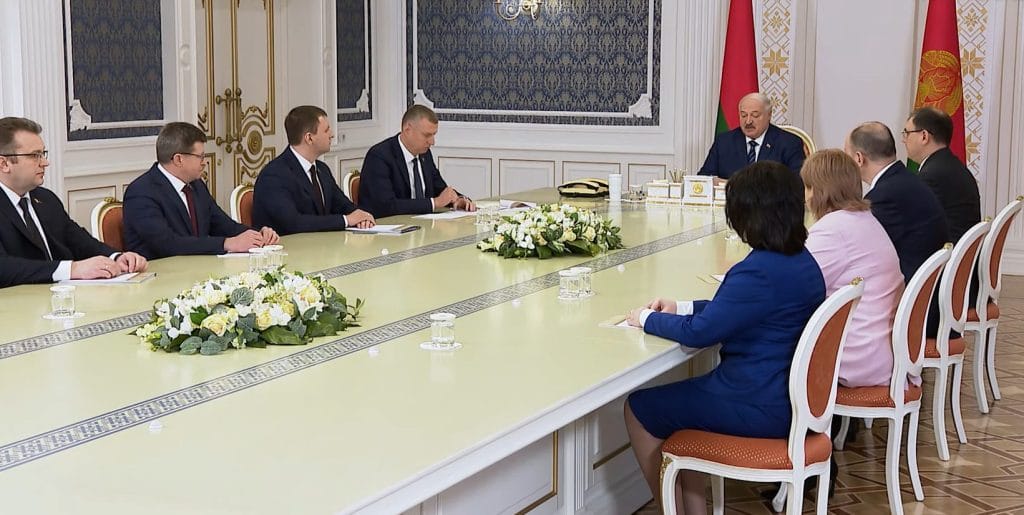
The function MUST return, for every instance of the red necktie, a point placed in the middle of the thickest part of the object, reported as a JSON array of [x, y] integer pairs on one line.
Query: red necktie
[[187, 189]]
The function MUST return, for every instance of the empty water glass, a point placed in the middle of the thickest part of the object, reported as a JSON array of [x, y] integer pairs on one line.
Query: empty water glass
[[584, 273], [258, 260], [62, 301], [275, 256], [442, 330]]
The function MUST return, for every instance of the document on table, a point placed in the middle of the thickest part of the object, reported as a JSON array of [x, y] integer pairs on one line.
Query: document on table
[[618, 322], [392, 230], [515, 204], [132, 278], [445, 215], [230, 255]]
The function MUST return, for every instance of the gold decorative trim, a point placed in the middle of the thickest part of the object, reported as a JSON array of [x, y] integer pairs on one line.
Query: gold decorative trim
[[554, 478], [610, 457], [208, 120], [210, 174]]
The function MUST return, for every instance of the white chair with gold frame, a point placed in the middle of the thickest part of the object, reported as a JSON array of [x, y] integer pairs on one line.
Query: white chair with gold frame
[[241, 204], [809, 147], [107, 220], [351, 186]]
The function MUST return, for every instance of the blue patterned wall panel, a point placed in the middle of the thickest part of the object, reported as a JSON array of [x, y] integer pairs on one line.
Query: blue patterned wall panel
[[353, 52], [577, 57], [117, 66]]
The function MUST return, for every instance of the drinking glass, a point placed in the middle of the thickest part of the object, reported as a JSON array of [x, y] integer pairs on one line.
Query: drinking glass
[[568, 284], [258, 260], [584, 273], [275, 256], [442, 330], [62, 301]]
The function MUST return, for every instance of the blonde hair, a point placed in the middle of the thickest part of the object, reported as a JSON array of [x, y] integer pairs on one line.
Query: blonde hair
[[834, 181]]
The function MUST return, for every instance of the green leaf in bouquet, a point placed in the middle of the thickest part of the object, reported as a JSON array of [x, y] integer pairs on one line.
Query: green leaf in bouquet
[[325, 325], [543, 252], [578, 246], [210, 347], [298, 327], [246, 322], [310, 314], [198, 316], [241, 296], [252, 338], [277, 335], [191, 345]]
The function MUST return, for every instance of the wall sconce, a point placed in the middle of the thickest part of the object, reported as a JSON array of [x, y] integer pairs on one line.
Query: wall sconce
[[511, 9]]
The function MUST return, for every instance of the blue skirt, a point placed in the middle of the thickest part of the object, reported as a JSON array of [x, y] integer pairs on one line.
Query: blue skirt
[[665, 409]]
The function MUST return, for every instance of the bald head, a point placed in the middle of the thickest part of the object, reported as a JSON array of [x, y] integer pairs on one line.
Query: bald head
[[755, 114], [874, 141]]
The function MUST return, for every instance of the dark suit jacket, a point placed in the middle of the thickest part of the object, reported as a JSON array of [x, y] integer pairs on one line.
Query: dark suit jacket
[[22, 261], [384, 188], [758, 315], [283, 198], [156, 221], [910, 214], [956, 190], [729, 151]]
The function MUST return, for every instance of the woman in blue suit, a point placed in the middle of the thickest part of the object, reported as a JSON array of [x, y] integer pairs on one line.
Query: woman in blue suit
[[757, 315]]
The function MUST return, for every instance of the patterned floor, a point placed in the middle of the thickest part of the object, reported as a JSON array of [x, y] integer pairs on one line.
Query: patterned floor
[[984, 476]]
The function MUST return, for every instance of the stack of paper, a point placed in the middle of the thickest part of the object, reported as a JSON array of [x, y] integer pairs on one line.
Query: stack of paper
[[394, 229]]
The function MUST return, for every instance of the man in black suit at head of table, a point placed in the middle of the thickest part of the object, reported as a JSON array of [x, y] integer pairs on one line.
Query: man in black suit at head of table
[[926, 135], [399, 176], [168, 211], [39, 243], [296, 192], [756, 139]]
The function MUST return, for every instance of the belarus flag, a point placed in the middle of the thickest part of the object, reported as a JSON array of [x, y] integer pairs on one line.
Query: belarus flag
[[940, 83], [739, 66]]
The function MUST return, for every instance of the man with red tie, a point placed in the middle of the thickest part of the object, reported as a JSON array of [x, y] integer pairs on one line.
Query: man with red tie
[[39, 243], [296, 191], [168, 211]]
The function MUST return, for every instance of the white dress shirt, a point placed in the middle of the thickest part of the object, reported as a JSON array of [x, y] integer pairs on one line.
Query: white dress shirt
[[683, 307], [874, 181], [176, 183], [412, 170], [760, 143]]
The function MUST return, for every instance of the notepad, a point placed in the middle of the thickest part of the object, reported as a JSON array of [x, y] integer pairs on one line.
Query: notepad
[[392, 229], [515, 204], [132, 278]]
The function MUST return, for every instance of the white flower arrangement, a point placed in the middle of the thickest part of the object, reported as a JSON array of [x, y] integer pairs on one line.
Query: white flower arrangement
[[552, 230], [248, 310]]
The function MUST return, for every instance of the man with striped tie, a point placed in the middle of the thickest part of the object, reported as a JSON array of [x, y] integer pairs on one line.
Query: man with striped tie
[[756, 139]]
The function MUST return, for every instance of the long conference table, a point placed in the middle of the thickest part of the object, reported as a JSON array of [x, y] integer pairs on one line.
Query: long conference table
[[526, 416]]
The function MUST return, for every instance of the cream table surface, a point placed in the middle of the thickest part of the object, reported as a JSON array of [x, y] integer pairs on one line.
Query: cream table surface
[[326, 428]]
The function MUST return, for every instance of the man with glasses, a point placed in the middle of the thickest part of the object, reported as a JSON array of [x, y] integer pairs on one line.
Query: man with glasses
[[39, 243], [168, 211], [926, 135]]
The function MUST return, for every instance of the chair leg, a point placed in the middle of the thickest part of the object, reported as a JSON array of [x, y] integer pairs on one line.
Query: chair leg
[[717, 495], [915, 476], [867, 422], [779, 502], [892, 466], [823, 482], [939, 412], [839, 440], [958, 416], [795, 502], [668, 489], [980, 342], [991, 361]]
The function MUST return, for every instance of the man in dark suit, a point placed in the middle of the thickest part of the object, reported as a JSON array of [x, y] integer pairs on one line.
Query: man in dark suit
[[168, 211], [399, 175], [39, 243], [297, 193], [756, 139], [926, 135], [906, 208]]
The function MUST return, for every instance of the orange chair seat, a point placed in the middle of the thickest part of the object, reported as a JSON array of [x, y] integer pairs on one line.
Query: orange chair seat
[[993, 312], [956, 346], [873, 396], [740, 451]]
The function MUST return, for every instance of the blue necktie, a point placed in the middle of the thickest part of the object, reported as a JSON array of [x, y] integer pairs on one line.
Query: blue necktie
[[417, 182], [752, 153]]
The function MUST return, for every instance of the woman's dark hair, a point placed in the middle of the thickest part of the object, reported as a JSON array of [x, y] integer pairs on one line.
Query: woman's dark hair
[[764, 204]]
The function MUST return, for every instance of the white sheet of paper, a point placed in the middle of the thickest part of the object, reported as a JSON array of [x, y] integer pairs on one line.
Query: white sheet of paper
[[625, 325], [378, 229], [513, 204], [446, 215], [718, 277], [123, 278], [233, 255]]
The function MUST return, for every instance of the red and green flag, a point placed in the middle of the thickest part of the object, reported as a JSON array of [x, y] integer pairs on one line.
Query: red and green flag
[[739, 65], [940, 83]]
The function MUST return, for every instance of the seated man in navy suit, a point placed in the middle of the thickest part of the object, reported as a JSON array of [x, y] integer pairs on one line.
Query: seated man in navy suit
[[756, 139], [296, 192], [168, 211], [399, 175], [39, 243]]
